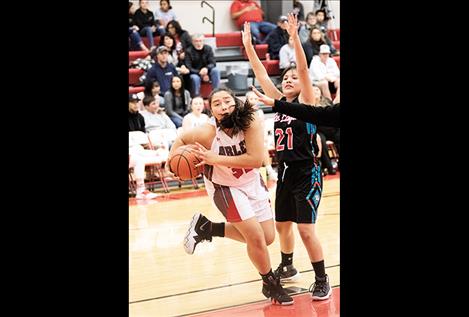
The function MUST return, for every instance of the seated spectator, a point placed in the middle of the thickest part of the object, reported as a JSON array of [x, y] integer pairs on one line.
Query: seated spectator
[[252, 98], [298, 10], [152, 89], [201, 62], [136, 120], [305, 28], [136, 43], [326, 133], [311, 46], [324, 72], [278, 37], [165, 13], [145, 21], [177, 100], [161, 71], [322, 20], [287, 55], [155, 117], [176, 56], [250, 11], [180, 36], [195, 117]]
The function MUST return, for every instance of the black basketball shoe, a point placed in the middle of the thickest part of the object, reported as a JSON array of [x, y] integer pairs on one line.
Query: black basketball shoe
[[198, 231], [287, 273], [273, 289], [321, 290]]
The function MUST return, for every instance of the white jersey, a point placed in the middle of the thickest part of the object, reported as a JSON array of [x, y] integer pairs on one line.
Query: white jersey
[[224, 145]]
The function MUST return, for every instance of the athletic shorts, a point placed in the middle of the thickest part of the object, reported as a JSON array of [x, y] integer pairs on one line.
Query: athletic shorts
[[241, 203], [299, 190]]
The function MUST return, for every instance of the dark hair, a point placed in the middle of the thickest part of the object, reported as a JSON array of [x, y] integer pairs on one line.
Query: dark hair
[[240, 119], [182, 90], [149, 87], [130, 4], [147, 100], [169, 4], [176, 25], [173, 47], [292, 66]]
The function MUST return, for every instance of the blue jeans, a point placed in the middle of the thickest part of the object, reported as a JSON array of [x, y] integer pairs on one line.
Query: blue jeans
[[261, 27], [214, 75], [177, 120], [146, 31], [135, 40]]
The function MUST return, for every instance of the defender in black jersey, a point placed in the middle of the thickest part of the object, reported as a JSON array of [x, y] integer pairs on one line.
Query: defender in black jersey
[[299, 184]]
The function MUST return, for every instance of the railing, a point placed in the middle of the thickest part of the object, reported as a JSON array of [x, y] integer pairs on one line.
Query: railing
[[213, 16]]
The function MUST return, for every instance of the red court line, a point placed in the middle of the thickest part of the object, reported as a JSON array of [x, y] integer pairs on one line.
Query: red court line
[[303, 306]]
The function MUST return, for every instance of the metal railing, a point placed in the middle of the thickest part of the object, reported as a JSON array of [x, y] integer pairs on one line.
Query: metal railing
[[213, 16]]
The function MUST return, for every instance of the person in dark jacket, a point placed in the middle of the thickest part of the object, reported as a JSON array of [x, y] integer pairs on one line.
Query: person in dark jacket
[[145, 20], [201, 63], [136, 120], [181, 36], [278, 37]]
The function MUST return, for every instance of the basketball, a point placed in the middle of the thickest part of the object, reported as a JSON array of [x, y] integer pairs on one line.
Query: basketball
[[183, 162]]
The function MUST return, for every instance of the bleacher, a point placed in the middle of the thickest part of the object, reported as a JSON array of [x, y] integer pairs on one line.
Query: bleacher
[[229, 51]]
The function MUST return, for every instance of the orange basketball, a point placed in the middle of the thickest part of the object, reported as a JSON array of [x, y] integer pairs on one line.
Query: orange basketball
[[183, 162]]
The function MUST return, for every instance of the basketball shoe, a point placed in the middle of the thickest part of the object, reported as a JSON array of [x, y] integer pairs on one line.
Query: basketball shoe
[[321, 290], [287, 273], [146, 194], [273, 289], [199, 230]]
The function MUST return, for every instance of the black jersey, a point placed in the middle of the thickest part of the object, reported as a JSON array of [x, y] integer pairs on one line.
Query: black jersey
[[293, 138]]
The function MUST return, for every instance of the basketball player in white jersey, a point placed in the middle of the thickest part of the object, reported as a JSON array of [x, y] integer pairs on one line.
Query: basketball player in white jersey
[[231, 146]]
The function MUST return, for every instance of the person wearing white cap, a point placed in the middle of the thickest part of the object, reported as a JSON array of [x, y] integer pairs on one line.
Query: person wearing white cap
[[324, 72]]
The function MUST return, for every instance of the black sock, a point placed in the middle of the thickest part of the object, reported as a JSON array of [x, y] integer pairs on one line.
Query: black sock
[[319, 268], [265, 277], [218, 229], [287, 258]]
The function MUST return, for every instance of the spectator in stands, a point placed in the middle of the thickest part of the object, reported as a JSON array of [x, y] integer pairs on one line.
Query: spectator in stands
[[152, 89], [298, 10], [175, 57], [177, 100], [252, 98], [181, 36], [250, 11], [136, 43], [136, 120], [316, 39], [278, 37], [322, 20], [195, 118], [305, 28], [145, 20], [324, 72], [155, 117], [161, 71], [137, 159], [165, 13], [326, 133], [286, 56], [201, 62]]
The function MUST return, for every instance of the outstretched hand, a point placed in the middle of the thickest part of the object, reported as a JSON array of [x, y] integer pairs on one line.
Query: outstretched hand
[[292, 28], [246, 34], [263, 98]]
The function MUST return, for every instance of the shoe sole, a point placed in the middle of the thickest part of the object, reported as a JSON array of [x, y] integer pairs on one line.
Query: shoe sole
[[291, 278], [275, 302], [324, 297], [189, 241]]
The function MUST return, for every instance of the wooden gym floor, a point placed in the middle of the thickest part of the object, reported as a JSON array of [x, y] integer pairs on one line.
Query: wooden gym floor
[[218, 279]]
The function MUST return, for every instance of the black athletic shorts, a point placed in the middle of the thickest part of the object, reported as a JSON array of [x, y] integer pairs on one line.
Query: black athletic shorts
[[299, 189]]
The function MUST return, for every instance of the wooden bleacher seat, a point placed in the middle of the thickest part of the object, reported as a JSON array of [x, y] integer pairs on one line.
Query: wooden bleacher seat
[[134, 76], [133, 55]]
